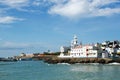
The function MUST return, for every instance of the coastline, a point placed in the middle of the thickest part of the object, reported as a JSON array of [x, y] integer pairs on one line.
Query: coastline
[[53, 59]]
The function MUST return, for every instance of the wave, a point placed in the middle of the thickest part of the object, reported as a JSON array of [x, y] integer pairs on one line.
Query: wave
[[64, 63], [114, 63]]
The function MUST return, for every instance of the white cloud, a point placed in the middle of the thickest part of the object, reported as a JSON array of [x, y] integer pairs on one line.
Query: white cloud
[[37, 3], [68, 8], [83, 8], [9, 19], [14, 3], [8, 5], [14, 45], [106, 12]]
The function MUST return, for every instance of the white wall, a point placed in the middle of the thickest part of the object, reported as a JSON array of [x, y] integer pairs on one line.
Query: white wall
[[82, 52]]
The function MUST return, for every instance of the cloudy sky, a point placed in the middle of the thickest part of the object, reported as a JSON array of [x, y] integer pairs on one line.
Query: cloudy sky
[[33, 26]]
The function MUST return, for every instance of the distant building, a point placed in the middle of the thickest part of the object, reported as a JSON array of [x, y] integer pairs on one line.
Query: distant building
[[108, 49], [112, 48], [64, 50], [26, 57], [79, 51]]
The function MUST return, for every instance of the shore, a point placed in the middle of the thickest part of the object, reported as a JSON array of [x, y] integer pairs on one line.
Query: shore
[[55, 60]]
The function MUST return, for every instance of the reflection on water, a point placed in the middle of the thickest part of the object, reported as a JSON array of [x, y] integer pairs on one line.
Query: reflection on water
[[96, 72], [85, 68], [94, 67]]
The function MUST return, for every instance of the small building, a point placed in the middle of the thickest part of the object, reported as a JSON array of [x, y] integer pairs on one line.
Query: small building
[[64, 49], [105, 54], [26, 57]]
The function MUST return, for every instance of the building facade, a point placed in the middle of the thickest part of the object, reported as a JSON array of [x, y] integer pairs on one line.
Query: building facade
[[84, 51]]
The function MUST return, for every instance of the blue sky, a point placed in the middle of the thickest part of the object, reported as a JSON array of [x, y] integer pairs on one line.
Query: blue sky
[[32, 26]]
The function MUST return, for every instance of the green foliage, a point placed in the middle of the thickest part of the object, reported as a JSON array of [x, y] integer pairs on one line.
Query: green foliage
[[54, 53]]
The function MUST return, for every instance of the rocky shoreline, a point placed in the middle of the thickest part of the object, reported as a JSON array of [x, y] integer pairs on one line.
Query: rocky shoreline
[[55, 60]]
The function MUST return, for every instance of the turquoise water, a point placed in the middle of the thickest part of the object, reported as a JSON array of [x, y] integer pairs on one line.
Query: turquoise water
[[37, 70]]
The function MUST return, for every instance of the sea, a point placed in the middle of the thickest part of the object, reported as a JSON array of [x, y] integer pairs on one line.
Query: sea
[[38, 70]]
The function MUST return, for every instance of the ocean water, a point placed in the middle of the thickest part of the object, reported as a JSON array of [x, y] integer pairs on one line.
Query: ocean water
[[37, 70]]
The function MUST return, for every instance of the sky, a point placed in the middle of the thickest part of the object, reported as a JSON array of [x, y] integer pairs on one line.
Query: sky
[[35, 26]]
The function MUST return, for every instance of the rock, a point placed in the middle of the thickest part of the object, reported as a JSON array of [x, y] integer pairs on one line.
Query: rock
[[101, 61]]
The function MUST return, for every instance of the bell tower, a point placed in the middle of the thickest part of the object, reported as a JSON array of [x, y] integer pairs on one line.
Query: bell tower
[[74, 42]]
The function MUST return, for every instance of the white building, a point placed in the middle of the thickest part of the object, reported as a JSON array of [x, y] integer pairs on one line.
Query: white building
[[81, 51], [64, 50], [84, 51], [112, 48], [108, 49]]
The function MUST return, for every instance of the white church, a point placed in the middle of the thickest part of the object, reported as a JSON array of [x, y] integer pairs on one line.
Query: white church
[[85, 51]]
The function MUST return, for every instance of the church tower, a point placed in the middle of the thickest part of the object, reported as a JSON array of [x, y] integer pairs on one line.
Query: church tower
[[74, 42]]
